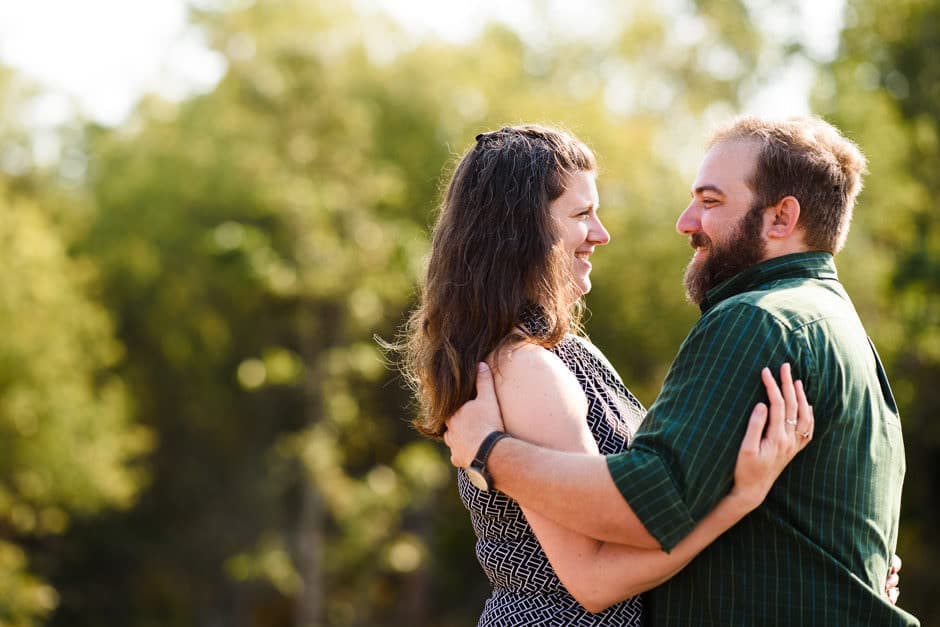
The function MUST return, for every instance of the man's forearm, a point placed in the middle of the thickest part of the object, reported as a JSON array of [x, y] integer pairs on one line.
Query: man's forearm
[[574, 490]]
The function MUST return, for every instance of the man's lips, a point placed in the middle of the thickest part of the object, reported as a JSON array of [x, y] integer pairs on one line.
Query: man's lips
[[699, 243], [699, 240]]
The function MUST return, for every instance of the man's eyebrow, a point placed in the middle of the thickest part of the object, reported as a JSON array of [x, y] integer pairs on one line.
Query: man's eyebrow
[[708, 188]]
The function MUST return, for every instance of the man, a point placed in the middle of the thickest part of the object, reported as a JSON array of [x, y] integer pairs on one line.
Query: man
[[771, 204]]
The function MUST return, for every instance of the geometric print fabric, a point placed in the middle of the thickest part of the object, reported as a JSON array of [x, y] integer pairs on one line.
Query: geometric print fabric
[[526, 590]]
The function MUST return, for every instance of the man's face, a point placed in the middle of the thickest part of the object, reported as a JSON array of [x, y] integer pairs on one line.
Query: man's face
[[724, 228]]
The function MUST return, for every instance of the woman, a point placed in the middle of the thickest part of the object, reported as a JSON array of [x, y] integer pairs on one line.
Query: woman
[[509, 265]]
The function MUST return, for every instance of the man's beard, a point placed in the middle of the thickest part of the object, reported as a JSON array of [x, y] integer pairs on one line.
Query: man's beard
[[744, 248]]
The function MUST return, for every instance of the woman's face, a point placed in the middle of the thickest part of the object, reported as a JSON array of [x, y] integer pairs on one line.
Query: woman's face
[[579, 225]]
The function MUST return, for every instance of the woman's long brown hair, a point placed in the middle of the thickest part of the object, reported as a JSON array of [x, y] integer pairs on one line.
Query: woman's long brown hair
[[494, 253]]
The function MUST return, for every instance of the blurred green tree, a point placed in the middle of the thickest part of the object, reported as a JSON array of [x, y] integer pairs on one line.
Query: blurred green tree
[[67, 444], [251, 242]]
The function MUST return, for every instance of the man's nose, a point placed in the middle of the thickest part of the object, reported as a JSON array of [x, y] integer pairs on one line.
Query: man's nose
[[689, 220]]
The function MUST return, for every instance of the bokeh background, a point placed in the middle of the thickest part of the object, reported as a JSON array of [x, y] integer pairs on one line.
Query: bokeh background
[[197, 425]]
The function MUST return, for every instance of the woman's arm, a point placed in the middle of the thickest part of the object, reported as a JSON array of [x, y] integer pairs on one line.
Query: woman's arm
[[615, 572], [542, 402]]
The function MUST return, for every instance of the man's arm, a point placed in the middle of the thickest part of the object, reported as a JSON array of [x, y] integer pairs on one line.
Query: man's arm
[[681, 462], [575, 490]]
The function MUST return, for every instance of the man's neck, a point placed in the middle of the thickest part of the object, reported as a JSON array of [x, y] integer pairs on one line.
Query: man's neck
[[779, 248]]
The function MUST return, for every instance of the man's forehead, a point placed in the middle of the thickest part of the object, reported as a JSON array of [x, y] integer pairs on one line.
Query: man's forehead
[[733, 149], [726, 164]]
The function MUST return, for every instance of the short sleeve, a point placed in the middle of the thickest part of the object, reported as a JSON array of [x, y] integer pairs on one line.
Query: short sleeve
[[682, 460]]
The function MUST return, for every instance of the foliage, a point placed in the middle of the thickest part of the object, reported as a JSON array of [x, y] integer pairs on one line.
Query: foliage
[[67, 445], [246, 245]]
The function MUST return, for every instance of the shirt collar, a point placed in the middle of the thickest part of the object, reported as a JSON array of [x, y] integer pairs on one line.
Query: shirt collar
[[811, 265]]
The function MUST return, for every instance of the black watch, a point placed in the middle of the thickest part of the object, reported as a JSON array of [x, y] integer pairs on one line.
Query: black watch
[[476, 471]]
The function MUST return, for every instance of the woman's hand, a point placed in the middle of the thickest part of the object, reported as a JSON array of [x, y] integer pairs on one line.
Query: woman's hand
[[765, 453], [892, 585]]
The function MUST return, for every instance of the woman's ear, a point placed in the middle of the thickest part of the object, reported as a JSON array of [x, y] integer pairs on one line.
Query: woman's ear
[[783, 218]]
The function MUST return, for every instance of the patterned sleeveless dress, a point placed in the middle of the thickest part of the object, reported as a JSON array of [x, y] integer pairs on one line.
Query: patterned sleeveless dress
[[526, 590]]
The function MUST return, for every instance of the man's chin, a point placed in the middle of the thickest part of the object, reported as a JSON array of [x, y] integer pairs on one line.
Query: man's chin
[[694, 282]]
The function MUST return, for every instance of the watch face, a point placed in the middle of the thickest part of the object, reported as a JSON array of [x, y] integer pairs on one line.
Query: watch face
[[477, 479]]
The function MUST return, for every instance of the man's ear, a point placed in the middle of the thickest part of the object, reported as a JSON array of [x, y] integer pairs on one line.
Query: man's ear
[[782, 218]]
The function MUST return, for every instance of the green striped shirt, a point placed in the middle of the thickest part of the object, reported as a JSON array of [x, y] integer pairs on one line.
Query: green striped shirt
[[817, 551]]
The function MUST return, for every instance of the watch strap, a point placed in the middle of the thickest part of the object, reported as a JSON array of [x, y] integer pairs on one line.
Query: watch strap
[[486, 447]]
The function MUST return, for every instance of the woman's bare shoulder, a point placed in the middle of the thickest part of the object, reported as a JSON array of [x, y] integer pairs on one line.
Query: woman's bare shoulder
[[526, 361], [540, 398]]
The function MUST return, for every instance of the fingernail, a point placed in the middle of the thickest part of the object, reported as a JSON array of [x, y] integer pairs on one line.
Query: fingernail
[[482, 367]]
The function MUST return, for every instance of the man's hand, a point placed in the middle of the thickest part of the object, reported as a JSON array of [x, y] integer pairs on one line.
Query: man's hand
[[475, 420]]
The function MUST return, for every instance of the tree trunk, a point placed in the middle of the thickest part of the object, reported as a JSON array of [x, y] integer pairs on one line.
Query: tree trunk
[[309, 603], [314, 322]]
